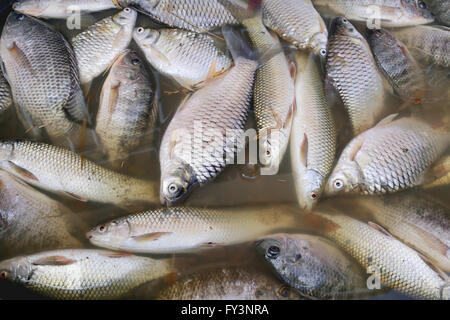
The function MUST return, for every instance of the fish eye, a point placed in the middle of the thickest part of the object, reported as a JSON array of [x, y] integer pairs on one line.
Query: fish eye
[[135, 62], [127, 10], [20, 17], [268, 153], [284, 291], [173, 188], [140, 30], [273, 252], [344, 20], [314, 196], [338, 184], [422, 5], [102, 228], [323, 52], [3, 275]]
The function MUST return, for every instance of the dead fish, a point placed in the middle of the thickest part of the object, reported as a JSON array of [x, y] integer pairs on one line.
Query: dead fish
[[5, 94], [398, 66], [59, 170], [443, 176], [99, 45], [387, 13], [313, 138], [389, 261], [194, 15], [41, 69], [394, 155], [31, 221], [61, 9], [206, 130], [313, 265], [352, 71], [430, 44], [128, 107], [190, 58], [441, 9], [229, 283], [83, 274], [180, 229]]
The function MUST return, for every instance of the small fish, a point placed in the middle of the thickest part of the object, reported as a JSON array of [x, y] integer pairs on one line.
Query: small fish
[[313, 138], [61, 9], [83, 274], [394, 155], [417, 220], [99, 45], [127, 106], [353, 73], [193, 15], [441, 9], [205, 133], [430, 44], [5, 94], [398, 66], [30, 221], [229, 283], [297, 22], [41, 69], [312, 265], [388, 13], [180, 229], [59, 170], [190, 58], [394, 264]]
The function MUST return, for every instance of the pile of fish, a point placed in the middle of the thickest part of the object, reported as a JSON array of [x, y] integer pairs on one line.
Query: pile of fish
[[347, 89]]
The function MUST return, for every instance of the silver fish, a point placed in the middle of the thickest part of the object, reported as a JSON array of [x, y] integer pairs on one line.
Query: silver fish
[[5, 94]]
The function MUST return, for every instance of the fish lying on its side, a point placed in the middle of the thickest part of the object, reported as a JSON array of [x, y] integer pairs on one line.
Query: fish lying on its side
[[128, 106], [59, 170], [83, 274], [313, 265], [190, 58]]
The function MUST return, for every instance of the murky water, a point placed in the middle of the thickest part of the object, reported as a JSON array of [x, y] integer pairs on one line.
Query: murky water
[[232, 188]]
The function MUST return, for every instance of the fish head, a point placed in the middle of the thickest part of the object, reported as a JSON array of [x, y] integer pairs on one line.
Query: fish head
[[273, 250], [35, 8], [109, 234], [177, 182], [16, 269], [128, 67], [343, 179], [319, 43], [340, 26], [273, 146], [311, 186], [146, 38], [126, 17], [417, 11], [380, 38], [17, 25]]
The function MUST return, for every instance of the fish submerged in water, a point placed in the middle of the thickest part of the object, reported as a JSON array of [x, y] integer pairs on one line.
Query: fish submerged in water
[[31, 221], [185, 229], [97, 47], [352, 71], [83, 273], [41, 69], [313, 265], [229, 283], [60, 9], [390, 13], [190, 58], [313, 137], [394, 155], [5, 94], [59, 170], [430, 44], [128, 106], [193, 15], [397, 64], [394, 264], [206, 130]]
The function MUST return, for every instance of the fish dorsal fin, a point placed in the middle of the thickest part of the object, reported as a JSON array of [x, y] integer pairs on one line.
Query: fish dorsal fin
[[304, 151], [75, 196], [438, 170], [380, 229], [54, 261], [152, 236], [21, 172], [384, 122], [431, 240]]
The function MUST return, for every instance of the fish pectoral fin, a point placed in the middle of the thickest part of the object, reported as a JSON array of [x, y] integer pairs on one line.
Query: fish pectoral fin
[[23, 173], [431, 240], [433, 266], [171, 277], [387, 120], [438, 170], [54, 261], [74, 196], [304, 151], [20, 57], [115, 255], [153, 236], [380, 229]]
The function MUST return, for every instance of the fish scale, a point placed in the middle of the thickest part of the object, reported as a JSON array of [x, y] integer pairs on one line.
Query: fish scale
[[5, 94]]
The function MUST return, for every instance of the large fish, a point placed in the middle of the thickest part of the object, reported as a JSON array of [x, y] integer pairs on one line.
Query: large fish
[[127, 106], [430, 44], [393, 156], [387, 13], [391, 263], [96, 47], [441, 9], [5, 94], [83, 274], [185, 229], [59, 170], [31, 221], [55, 9], [40, 67], [313, 137], [206, 131], [190, 58], [353, 72], [229, 283], [297, 22], [194, 15], [313, 265]]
